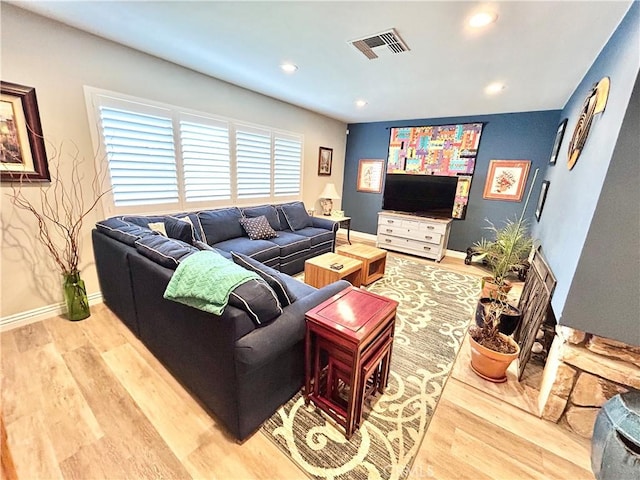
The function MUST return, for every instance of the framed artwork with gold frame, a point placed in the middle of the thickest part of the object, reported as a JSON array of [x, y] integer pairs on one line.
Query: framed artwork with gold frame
[[506, 180]]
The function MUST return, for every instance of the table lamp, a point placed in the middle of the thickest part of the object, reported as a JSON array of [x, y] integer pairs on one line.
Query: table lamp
[[326, 198]]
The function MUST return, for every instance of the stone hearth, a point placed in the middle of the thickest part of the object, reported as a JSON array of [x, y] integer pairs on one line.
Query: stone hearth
[[582, 372]]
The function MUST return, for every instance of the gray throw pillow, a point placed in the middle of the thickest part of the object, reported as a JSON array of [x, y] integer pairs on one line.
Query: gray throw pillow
[[297, 216], [258, 228]]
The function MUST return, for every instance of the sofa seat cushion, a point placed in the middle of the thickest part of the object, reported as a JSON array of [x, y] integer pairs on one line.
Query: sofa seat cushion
[[220, 225], [122, 231], [317, 236], [274, 279], [262, 250], [258, 228], [291, 243], [167, 252], [269, 211]]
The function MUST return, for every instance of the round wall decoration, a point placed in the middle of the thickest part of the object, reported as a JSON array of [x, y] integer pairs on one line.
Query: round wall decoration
[[594, 103]]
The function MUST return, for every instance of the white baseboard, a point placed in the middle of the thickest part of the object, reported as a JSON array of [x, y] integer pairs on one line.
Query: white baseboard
[[342, 233], [31, 316]]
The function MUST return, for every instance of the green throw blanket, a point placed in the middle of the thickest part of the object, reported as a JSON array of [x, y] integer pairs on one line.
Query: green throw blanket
[[204, 280]]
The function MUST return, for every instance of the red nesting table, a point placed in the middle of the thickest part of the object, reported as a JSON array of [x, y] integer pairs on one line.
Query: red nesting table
[[348, 344]]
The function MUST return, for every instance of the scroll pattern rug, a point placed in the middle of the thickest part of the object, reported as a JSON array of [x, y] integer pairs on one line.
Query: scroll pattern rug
[[435, 308]]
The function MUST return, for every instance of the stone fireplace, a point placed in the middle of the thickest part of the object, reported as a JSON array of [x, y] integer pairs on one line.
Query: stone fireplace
[[582, 372]]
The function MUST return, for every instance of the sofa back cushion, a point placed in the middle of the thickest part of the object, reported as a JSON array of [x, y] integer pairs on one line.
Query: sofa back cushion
[[122, 231], [167, 252], [193, 220], [269, 211], [166, 225], [296, 215], [220, 225], [257, 299], [271, 276]]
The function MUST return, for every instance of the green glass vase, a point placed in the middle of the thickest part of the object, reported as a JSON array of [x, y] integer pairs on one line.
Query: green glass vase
[[75, 296]]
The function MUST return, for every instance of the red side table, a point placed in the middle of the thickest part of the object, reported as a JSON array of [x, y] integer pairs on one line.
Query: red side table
[[349, 339]]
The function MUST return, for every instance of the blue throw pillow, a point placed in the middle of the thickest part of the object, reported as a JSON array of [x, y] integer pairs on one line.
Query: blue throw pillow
[[257, 299], [193, 220], [297, 216], [167, 252], [271, 276]]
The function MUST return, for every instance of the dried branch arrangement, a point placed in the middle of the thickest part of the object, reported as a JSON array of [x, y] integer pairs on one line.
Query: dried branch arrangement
[[62, 207]]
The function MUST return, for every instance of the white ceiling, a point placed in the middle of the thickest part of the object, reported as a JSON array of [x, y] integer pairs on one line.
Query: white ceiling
[[540, 50]]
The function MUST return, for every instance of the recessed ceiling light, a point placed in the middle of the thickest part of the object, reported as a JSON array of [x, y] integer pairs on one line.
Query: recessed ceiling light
[[494, 88], [482, 19], [360, 103], [288, 67]]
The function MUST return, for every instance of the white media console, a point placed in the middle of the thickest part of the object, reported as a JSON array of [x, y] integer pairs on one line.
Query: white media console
[[422, 236]]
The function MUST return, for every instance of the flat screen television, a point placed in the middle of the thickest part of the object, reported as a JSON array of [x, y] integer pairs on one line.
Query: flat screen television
[[425, 195]]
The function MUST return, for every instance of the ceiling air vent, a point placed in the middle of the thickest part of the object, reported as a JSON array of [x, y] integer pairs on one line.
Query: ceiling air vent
[[381, 43]]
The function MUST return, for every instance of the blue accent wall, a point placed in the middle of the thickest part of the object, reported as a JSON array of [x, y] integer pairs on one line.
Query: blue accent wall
[[514, 136], [568, 229]]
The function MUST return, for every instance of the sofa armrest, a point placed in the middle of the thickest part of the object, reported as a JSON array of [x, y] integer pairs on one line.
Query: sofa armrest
[[263, 344], [326, 223]]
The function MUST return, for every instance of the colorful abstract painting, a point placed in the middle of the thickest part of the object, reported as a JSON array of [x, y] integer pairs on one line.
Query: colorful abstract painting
[[448, 150]]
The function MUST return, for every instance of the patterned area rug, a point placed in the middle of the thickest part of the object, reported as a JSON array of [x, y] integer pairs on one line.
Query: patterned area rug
[[436, 306]]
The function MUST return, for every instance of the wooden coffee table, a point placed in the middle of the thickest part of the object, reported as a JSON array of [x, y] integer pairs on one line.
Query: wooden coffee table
[[373, 260], [318, 271]]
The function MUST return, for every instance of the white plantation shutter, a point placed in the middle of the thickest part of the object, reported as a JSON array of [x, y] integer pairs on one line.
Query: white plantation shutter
[[141, 157], [166, 158], [287, 153], [253, 163], [205, 161]]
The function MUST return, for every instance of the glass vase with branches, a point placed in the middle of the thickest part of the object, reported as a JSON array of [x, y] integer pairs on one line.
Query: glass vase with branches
[[60, 210]]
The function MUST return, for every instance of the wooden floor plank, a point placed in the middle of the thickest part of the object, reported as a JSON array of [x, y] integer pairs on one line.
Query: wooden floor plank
[[30, 336], [180, 423], [33, 454]]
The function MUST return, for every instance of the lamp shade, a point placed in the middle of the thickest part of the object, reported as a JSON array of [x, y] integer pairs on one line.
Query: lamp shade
[[329, 192]]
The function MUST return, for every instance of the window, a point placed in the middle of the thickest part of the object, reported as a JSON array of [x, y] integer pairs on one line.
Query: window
[[166, 158]]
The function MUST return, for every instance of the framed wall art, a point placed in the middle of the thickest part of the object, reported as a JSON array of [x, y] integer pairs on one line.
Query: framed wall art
[[506, 180], [558, 142], [370, 176], [325, 159], [542, 198], [22, 152]]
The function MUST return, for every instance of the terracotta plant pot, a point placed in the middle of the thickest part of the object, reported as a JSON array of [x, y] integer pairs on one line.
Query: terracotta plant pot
[[509, 321], [489, 364], [491, 290]]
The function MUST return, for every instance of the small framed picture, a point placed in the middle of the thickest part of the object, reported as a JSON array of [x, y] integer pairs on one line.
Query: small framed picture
[[558, 142], [542, 198], [370, 176], [325, 159], [22, 151], [506, 180]]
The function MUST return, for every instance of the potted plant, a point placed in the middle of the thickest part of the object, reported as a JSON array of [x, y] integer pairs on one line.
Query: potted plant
[[508, 251], [491, 351]]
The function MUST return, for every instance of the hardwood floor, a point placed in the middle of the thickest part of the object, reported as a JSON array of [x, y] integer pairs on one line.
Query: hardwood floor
[[87, 400]]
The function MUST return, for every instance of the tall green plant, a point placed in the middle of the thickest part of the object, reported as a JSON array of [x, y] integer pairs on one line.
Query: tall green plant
[[511, 244]]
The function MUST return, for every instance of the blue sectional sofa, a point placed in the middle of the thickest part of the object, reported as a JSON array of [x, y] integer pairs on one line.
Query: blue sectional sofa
[[241, 367]]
